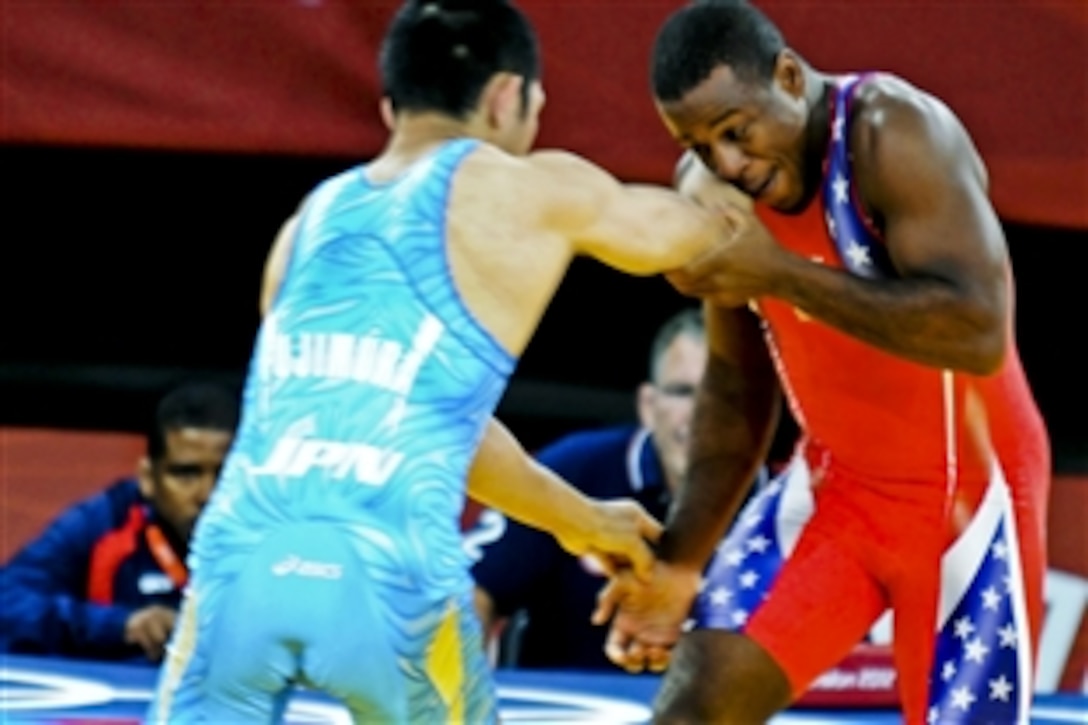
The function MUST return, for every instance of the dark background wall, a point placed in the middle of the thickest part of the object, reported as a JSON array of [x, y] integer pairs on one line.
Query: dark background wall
[[125, 270]]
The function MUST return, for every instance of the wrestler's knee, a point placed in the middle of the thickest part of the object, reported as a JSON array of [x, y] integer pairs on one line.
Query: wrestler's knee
[[720, 677]]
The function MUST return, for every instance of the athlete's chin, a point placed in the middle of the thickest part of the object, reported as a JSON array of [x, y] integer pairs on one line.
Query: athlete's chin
[[787, 205], [786, 201], [783, 193]]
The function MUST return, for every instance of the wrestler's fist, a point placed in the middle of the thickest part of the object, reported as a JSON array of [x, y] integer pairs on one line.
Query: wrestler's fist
[[698, 183], [722, 273], [618, 534], [738, 270]]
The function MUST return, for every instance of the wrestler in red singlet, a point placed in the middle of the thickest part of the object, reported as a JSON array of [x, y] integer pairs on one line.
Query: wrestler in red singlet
[[890, 450], [878, 271]]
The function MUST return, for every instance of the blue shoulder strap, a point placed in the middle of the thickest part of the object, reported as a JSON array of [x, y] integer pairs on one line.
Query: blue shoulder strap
[[860, 251]]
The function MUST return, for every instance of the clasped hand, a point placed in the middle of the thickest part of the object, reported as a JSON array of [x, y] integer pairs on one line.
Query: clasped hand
[[740, 268], [647, 599], [647, 616]]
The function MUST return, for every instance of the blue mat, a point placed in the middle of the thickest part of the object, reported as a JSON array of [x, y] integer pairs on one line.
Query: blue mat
[[66, 692]]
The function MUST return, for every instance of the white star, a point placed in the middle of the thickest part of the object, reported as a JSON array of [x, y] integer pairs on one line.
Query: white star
[[964, 628], [931, 718], [948, 671], [1000, 689], [734, 557], [836, 128], [720, 596], [740, 617], [976, 651], [840, 186], [1000, 550], [758, 543], [1008, 636], [748, 579], [750, 519], [831, 228], [1007, 581], [688, 625], [990, 598], [858, 254], [962, 698]]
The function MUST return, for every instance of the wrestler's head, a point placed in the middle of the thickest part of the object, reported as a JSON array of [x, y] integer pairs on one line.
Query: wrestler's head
[[475, 61], [727, 87]]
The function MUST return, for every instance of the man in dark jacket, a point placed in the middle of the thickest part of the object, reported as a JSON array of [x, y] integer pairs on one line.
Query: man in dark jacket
[[104, 579]]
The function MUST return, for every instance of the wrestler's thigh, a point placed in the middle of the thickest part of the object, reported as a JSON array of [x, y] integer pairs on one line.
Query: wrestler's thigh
[[822, 603]]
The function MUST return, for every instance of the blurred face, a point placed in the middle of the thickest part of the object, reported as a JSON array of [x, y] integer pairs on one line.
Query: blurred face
[[519, 124], [179, 484], [751, 135], [666, 404]]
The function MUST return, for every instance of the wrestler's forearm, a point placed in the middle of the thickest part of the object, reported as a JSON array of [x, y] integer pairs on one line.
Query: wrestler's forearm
[[504, 477], [931, 321], [736, 412]]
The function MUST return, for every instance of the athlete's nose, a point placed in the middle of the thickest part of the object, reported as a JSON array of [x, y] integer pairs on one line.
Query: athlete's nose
[[729, 161], [204, 488]]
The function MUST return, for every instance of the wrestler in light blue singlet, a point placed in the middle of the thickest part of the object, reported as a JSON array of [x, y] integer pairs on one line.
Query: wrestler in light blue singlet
[[330, 552]]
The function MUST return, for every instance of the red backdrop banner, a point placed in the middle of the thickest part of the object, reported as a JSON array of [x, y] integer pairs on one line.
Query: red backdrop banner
[[299, 77]]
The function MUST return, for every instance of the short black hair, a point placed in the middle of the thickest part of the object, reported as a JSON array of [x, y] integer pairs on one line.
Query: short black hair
[[439, 54], [191, 405], [701, 36]]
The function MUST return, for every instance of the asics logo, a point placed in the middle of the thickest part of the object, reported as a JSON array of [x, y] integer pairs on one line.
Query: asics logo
[[298, 566]]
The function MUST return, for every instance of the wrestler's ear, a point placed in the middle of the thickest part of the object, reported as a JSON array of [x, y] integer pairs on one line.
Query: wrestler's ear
[[502, 99], [646, 394], [385, 107], [145, 475], [789, 73]]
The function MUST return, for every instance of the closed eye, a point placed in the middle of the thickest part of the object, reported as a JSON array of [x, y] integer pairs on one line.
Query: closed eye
[[736, 134]]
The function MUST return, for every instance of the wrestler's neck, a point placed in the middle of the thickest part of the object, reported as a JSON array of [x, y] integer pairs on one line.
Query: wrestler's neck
[[818, 89], [819, 93], [414, 135]]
